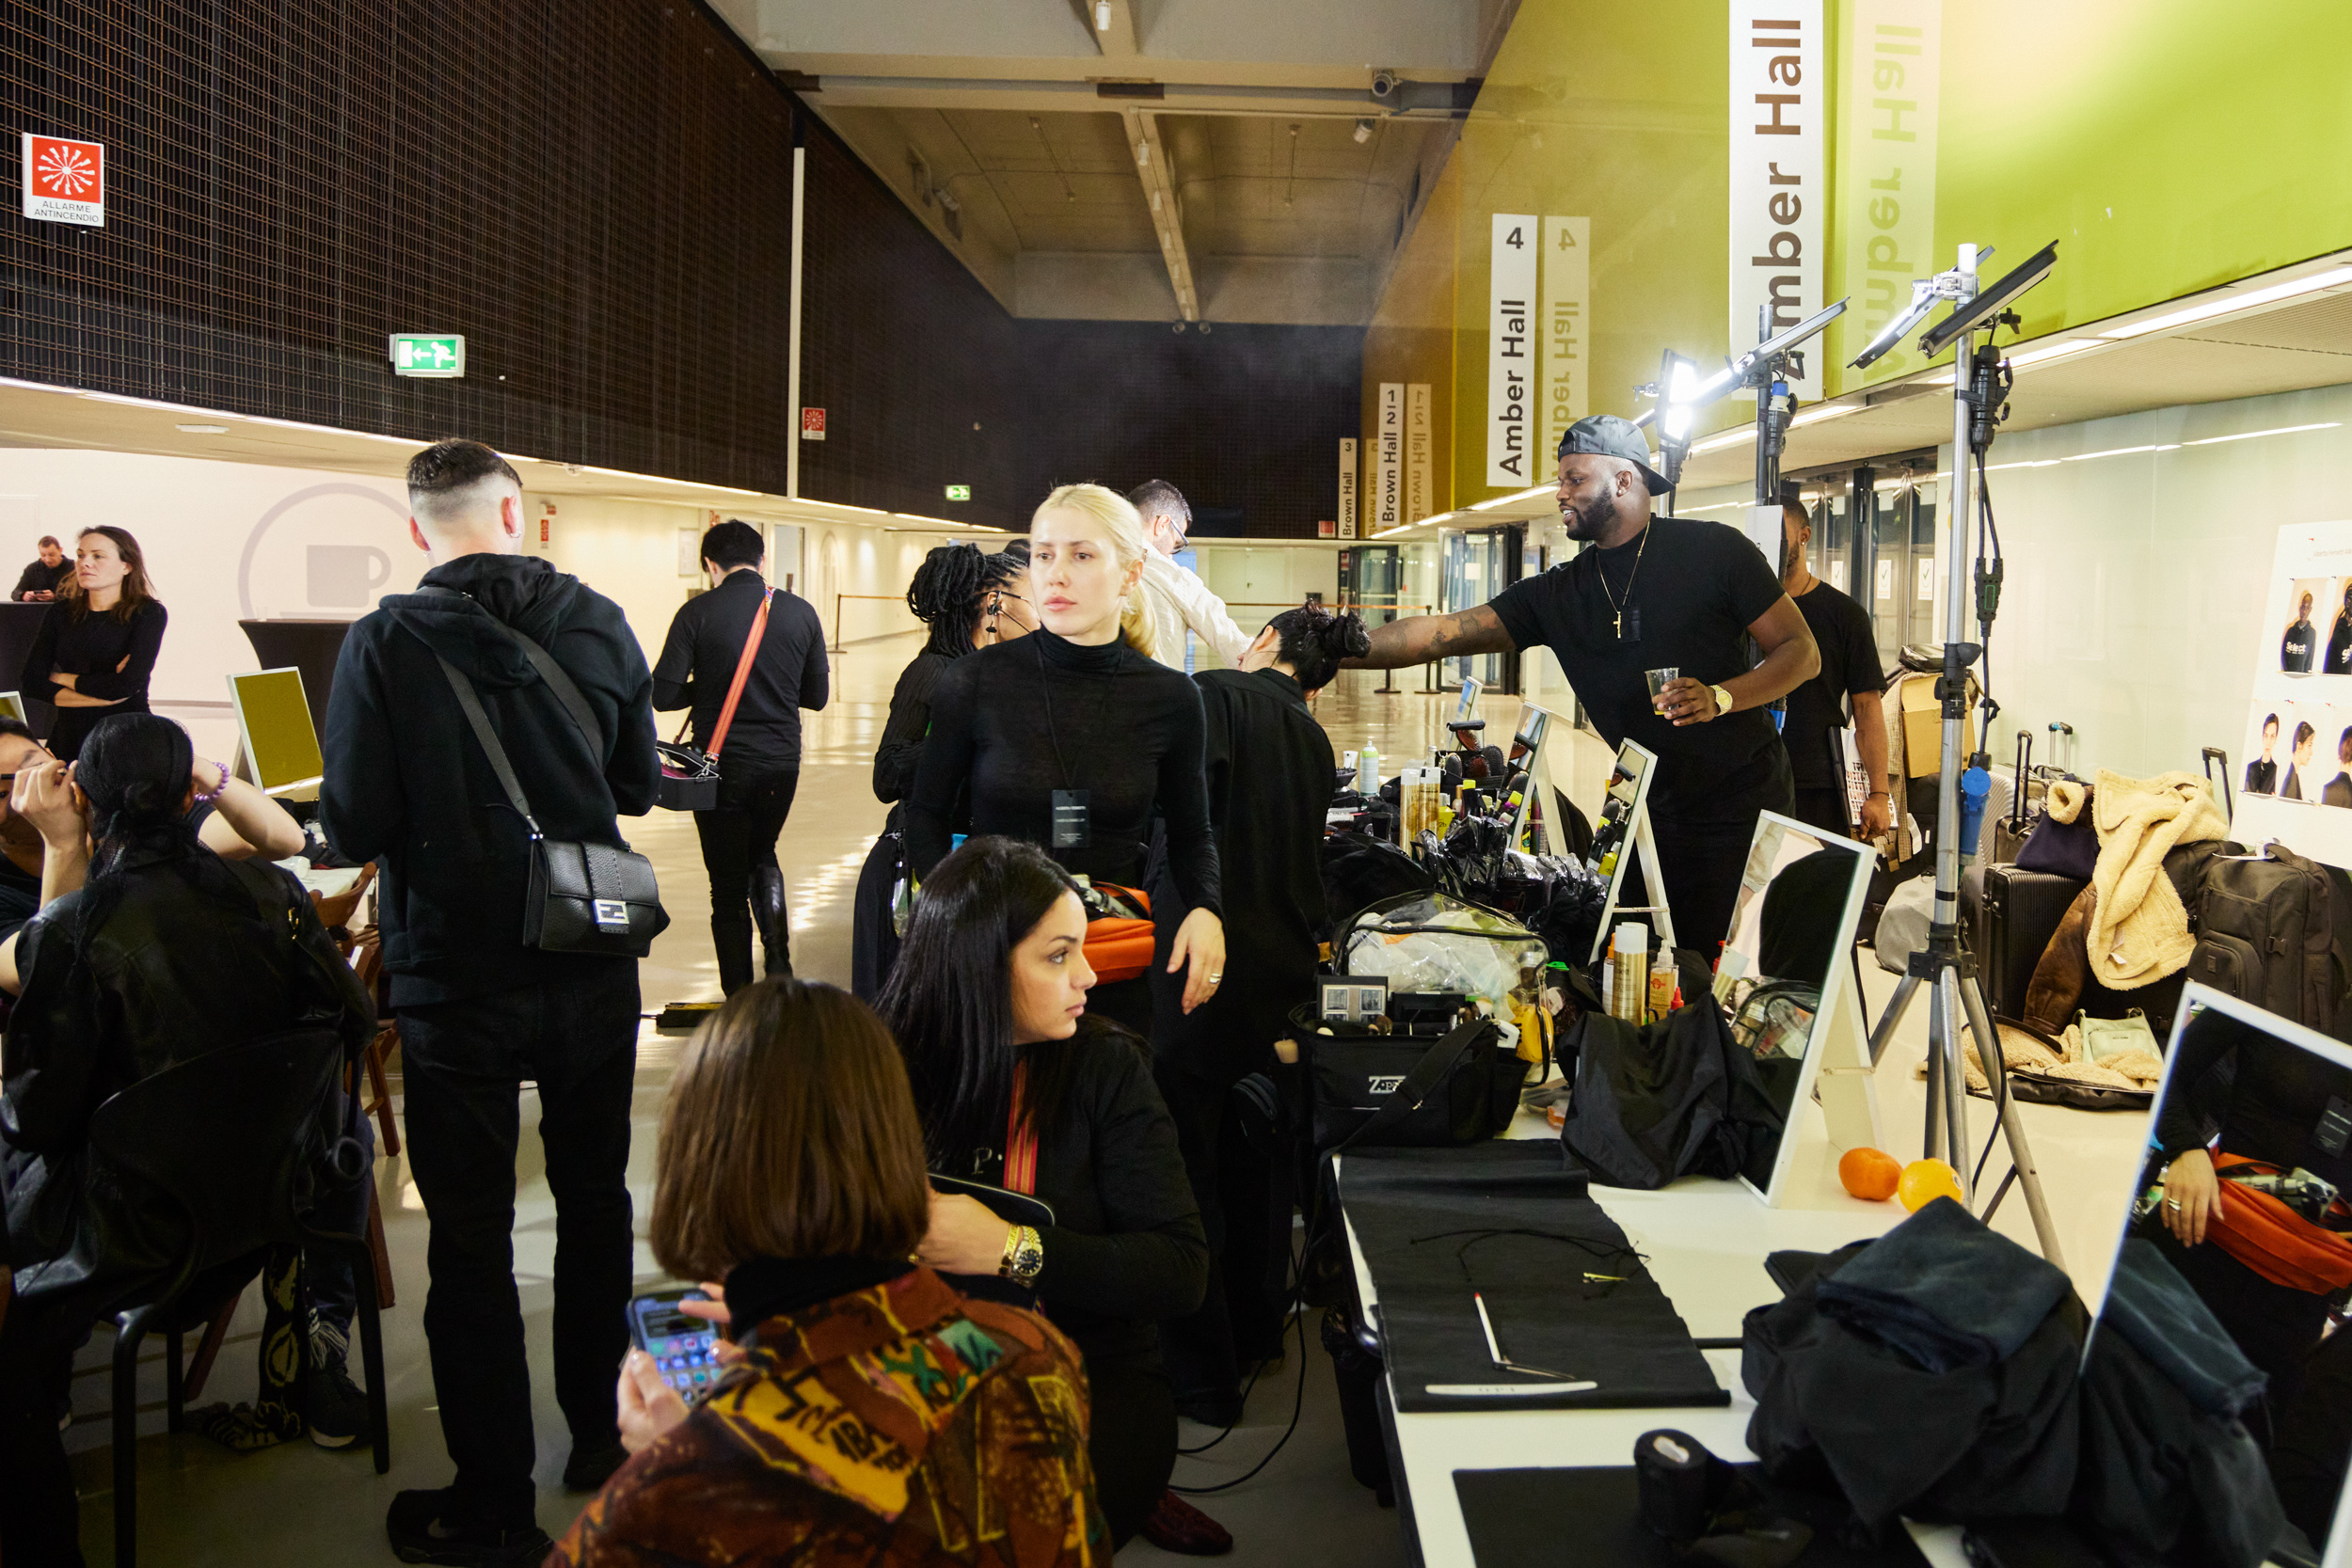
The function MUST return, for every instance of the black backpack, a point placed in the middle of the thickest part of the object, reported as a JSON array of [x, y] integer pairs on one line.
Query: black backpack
[[2267, 933]]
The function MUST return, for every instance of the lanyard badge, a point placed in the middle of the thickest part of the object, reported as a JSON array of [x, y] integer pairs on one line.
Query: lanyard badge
[[1073, 830]]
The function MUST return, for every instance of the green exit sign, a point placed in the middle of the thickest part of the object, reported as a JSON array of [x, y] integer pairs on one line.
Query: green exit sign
[[440, 353], [958, 492]]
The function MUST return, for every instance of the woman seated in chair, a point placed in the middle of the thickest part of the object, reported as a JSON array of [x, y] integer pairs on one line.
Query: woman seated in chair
[[1020, 1087], [868, 1413], [165, 953]]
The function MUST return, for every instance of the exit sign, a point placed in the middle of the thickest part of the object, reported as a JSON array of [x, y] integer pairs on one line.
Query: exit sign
[[958, 492], [440, 353]]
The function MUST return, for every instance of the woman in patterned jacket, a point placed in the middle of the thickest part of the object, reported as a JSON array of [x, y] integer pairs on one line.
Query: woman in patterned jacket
[[869, 1414]]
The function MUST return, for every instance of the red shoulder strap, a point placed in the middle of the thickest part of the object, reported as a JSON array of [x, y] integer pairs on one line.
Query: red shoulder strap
[[1019, 1136], [743, 673]]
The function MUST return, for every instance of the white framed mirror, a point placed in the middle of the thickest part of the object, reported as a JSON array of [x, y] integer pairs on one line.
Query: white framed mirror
[[1787, 983]]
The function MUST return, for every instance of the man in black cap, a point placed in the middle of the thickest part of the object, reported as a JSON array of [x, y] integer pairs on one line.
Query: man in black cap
[[1610, 613]]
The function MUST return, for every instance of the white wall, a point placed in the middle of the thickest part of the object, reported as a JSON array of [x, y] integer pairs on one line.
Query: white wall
[[2137, 581], [226, 541]]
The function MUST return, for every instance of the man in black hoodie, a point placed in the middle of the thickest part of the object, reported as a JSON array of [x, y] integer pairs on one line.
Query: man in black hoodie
[[408, 788]]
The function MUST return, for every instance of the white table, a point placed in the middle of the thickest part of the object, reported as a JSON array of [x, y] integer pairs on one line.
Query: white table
[[1706, 1241]]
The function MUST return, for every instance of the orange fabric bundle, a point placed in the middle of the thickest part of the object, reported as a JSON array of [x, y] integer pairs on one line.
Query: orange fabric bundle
[[1121, 949], [2274, 1240]]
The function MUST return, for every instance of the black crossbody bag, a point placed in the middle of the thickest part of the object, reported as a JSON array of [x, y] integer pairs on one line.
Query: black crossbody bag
[[583, 898]]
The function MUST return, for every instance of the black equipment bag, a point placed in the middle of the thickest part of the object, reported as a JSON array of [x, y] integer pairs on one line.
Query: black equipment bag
[[1405, 1091], [583, 898], [2266, 933]]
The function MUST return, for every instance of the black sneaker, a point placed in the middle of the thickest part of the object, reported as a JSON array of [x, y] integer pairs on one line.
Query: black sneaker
[[422, 1533], [588, 1469], [335, 1409]]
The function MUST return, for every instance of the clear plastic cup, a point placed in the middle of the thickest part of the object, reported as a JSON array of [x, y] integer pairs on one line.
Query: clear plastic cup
[[1657, 679]]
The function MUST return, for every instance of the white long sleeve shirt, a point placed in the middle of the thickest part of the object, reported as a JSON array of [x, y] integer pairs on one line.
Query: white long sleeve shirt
[[1179, 600]]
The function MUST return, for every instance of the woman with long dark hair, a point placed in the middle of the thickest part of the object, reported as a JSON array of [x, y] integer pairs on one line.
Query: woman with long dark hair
[[165, 953], [96, 650], [969, 600], [1075, 740], [1270, 779], [1019, 1086]]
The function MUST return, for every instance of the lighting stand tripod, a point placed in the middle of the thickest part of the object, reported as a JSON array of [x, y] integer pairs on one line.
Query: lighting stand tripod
[[1945, 966]]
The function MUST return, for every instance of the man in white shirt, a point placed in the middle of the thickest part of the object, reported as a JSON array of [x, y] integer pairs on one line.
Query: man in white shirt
[[1179, 600]]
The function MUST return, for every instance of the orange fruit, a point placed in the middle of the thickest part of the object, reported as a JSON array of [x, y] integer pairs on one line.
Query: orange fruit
[[1924, 1181], [1869, 1173]]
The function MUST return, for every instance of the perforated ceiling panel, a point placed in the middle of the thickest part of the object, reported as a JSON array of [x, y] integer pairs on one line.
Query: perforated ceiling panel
[[596, 193]]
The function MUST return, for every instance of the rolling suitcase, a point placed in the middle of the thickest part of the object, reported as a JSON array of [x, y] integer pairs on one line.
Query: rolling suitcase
[[2010, 915]]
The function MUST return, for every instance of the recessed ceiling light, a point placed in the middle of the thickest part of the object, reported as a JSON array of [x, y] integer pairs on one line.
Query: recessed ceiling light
[[203, 429]]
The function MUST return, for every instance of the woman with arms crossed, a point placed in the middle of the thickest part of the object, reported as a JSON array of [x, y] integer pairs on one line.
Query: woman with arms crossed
[[96, 651]]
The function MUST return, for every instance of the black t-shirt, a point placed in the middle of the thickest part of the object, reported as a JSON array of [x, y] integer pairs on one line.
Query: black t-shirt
[[2294, 649], [1687, 604], [1850, 663]]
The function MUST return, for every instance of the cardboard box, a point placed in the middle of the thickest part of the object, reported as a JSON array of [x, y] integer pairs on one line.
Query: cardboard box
[[1923, 727]]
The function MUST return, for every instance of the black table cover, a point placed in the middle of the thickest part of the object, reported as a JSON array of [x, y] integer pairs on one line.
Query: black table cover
[[1419, 1214], [1591, 1515]]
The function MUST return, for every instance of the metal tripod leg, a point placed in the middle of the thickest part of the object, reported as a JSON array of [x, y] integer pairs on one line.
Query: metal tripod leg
[[2012, 1124], [1896, 1005]]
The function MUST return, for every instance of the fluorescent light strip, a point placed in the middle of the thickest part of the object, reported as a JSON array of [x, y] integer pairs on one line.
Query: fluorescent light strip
[[657, 479], [2230, 304], [2121, 451], [1824, 411], [2247, 435], [1509, 500], [1722, 442]]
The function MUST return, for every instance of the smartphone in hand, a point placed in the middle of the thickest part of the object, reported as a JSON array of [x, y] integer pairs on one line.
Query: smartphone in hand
[[684, 1348]]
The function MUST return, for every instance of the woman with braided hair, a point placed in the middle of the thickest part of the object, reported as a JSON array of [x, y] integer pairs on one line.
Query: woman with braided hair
[[969, 600], [166, 954]]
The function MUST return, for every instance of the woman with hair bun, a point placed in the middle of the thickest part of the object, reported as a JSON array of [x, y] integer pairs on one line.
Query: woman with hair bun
[[969, 601], [1270, 777], [1074, 741]]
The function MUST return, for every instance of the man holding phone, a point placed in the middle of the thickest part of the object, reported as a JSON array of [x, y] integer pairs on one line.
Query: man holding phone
[[1609, 614]]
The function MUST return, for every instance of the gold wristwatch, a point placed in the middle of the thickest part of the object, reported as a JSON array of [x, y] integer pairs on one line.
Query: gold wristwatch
[[1024, 1256], [1723, 699]]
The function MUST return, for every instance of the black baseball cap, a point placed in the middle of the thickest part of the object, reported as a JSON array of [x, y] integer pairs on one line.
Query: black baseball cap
[[1607, 435]]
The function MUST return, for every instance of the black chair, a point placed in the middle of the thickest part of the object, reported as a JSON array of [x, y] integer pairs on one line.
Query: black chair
[[219, 1138]]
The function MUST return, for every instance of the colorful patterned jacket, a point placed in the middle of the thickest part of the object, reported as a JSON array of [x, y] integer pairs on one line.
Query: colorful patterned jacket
[[900, 1426]]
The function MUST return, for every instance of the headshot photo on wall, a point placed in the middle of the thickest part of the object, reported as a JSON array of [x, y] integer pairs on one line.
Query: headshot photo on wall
[[2296, 782], [2337, 791], [2299, 648], [2337, 658], [2262, 745]]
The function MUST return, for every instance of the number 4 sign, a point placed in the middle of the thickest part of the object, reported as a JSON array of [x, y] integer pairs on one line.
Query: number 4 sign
[[64, 180]]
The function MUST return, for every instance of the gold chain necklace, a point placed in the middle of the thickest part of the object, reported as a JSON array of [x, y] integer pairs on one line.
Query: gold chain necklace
[[1615, 604]]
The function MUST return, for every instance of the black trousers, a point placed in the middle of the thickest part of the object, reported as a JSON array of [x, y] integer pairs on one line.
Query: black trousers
[[746, 885], [41, 1518], [464, 1063], [1131, 1438], [1825, 808], [1702, 862], [1246, 1213], [873, 940]]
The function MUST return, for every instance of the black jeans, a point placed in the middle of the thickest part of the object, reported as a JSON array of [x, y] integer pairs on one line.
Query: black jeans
[[464, 1064], [1825, 808], [746, 884], [1131, 1440]]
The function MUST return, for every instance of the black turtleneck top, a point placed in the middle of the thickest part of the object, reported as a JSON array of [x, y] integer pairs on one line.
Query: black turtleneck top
[[1023, 718]]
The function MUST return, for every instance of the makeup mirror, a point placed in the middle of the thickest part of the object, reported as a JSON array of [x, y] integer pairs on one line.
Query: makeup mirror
[[1622, 827], [2214, 1322], [1787, 983]]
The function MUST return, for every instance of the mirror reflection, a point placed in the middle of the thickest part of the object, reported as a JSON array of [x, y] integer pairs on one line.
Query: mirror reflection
[[2219, 1333], [1788, 929]]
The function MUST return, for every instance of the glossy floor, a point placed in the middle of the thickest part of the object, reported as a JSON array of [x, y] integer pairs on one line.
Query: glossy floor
[[201, 1505]]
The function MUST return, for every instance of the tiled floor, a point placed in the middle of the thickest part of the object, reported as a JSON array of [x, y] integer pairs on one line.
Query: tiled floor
[[201, 1505]]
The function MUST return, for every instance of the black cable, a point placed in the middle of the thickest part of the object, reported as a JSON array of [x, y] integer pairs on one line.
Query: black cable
[[1298, 1402]]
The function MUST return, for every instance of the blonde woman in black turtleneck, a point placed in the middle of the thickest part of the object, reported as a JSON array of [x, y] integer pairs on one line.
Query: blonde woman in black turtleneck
[[1077, 712]]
